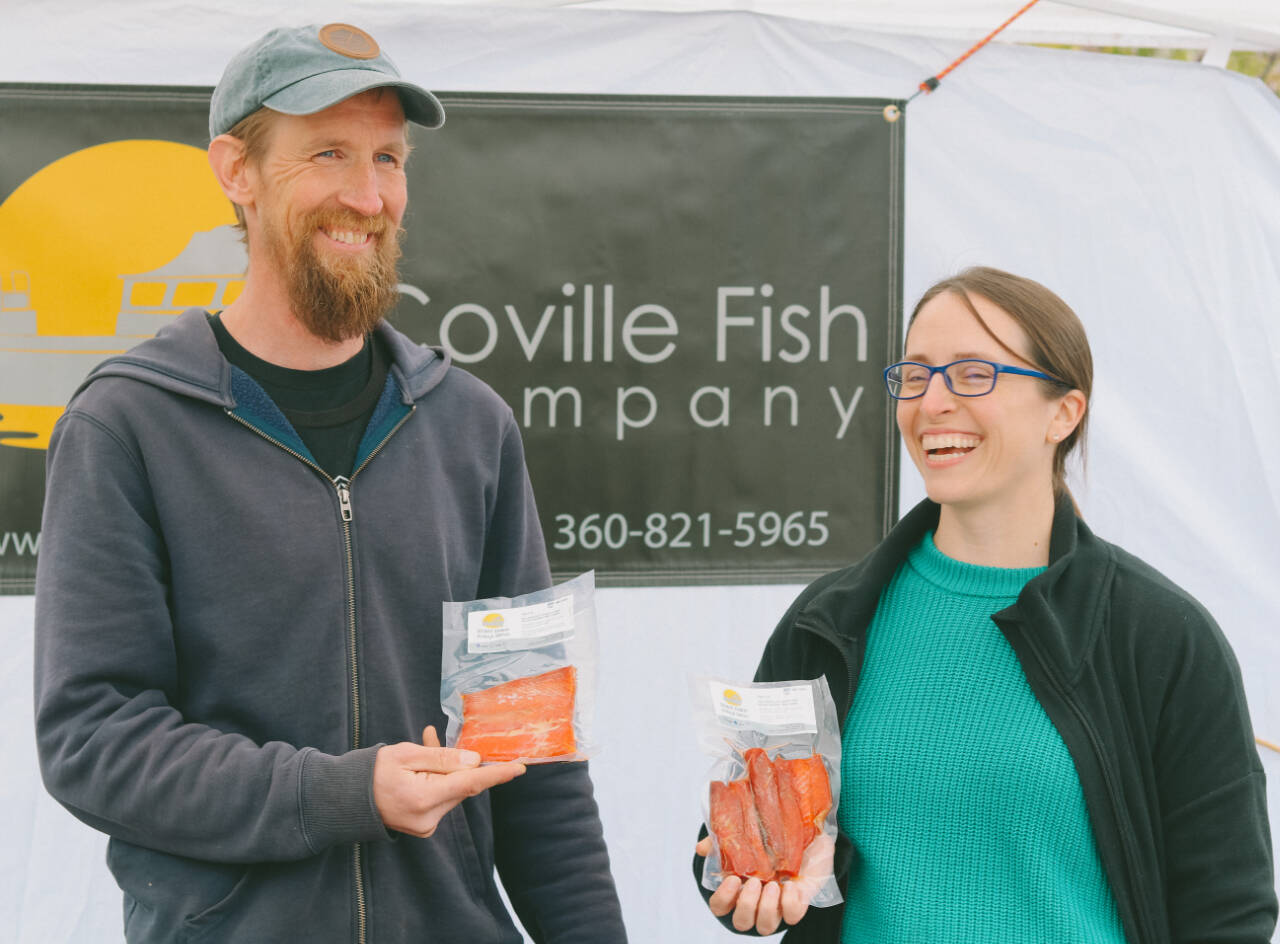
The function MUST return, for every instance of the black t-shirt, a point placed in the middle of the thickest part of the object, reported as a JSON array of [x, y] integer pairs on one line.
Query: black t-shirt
[[329, 408]]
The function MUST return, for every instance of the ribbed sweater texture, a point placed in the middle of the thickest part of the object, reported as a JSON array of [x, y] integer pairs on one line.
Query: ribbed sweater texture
[[960, 796]]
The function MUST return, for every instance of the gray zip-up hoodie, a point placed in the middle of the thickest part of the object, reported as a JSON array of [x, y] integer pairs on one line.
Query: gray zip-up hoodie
[[225, 635]]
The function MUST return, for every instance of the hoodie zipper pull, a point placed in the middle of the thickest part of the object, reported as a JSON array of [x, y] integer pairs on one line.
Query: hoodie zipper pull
[[342, 483]]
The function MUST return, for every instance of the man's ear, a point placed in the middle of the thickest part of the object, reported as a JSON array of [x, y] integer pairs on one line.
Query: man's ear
[[235, 177]]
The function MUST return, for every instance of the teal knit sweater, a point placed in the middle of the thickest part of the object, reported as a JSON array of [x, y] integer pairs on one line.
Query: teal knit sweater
[[959, 794]]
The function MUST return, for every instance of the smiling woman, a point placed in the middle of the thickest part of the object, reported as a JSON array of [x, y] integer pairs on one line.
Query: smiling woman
[[992, 450], [1054, 337], [1026, 750]]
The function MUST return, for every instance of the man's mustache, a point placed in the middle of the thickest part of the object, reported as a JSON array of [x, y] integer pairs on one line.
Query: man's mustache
[[338, 220]]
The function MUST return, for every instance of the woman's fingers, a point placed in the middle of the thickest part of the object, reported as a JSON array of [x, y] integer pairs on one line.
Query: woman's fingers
[[744, 915], [764, 906], [796, 896], [725, 898], [757, 906], [768, 912]]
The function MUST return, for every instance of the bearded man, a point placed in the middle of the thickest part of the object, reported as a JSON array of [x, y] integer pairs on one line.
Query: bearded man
[[251, 522]]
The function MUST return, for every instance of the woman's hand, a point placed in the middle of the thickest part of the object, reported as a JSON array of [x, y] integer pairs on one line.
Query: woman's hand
[[766, 905]]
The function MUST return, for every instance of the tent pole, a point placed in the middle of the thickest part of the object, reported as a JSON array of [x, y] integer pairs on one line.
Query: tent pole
[[1222, 35]]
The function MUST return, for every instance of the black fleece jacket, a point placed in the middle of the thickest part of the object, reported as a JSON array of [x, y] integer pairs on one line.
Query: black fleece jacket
[[1145, 692]]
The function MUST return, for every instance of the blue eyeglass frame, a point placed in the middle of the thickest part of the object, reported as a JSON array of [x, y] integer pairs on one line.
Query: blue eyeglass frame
[[942, 369]]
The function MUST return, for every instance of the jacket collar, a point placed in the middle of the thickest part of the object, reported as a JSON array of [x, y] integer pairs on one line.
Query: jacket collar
[[846, 606], [184, 358], [1060, 611]]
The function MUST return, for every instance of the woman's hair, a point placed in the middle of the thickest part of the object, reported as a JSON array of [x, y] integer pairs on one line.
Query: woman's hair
[[1058, 343]]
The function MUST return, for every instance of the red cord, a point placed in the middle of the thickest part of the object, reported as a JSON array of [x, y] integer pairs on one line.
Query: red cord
[[931, 83]]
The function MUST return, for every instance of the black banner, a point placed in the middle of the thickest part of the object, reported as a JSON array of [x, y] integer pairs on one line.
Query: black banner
[[687, 302]]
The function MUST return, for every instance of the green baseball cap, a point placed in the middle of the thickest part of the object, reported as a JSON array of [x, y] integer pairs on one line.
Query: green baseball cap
[[305, 69]]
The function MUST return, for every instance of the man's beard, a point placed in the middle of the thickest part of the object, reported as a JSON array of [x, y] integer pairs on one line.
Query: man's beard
[[338, 298]]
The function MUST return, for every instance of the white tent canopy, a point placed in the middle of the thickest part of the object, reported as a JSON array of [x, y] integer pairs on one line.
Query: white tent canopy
[[1146, 192], [1191, 24]]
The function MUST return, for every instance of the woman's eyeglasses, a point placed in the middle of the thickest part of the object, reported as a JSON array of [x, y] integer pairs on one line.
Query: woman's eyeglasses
[[970, 377]]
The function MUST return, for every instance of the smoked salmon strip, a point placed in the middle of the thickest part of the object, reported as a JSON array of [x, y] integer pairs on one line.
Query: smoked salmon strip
[[795, 830], [733, 820], [813, 787], [529, 717], [764, 790], [765, 820]]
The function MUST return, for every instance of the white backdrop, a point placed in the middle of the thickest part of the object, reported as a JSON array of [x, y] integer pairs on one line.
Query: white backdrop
[[1146, 192]]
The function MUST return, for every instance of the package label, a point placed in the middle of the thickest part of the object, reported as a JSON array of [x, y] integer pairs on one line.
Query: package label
[[520, 627], [783, 710]]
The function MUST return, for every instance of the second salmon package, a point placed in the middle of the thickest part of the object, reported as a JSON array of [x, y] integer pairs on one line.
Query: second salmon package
[[518, 674], [770, 804]]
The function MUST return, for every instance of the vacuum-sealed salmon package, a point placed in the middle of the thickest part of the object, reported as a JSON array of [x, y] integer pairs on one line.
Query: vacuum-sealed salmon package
[[770, 805], [518, 674]]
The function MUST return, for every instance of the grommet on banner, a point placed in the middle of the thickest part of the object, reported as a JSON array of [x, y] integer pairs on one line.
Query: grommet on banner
[[892, 113]]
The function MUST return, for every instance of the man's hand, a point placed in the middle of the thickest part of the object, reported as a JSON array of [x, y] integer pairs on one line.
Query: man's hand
[[765, 905], [414, 785]]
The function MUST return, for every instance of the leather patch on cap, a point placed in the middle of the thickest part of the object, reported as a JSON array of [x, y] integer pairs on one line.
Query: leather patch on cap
[[349, 41]]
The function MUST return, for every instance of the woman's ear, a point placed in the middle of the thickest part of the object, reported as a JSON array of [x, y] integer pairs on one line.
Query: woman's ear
[[235, 177], [1067, 417]]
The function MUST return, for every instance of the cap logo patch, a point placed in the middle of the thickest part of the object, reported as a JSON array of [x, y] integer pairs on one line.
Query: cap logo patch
[[349, 41]]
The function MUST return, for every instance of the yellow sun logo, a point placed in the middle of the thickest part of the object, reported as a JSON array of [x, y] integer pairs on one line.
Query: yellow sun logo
[[98, 250]]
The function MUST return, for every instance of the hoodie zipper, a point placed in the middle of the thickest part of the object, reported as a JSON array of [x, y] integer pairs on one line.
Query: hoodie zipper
[[342, 485]]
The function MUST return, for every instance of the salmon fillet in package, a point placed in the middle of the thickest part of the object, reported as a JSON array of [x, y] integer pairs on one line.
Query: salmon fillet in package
[[770, 804], [518, 674]]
